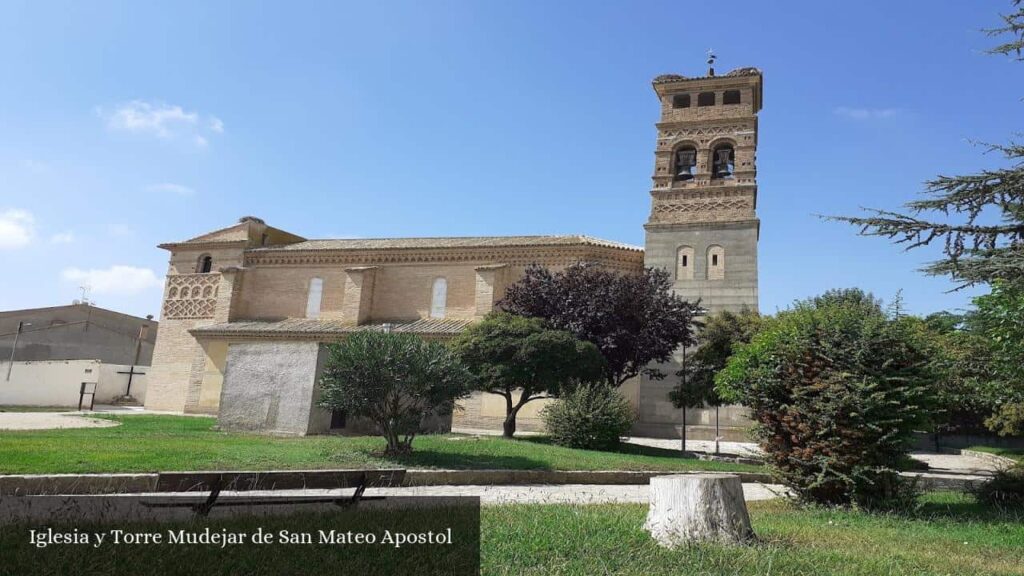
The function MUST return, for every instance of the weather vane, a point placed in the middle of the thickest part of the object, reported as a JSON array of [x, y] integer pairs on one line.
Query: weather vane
[[711, 61]]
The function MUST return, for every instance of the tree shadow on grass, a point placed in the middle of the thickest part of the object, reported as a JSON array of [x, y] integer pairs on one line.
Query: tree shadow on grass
[[447, 460], [623, 448], [964, 510]]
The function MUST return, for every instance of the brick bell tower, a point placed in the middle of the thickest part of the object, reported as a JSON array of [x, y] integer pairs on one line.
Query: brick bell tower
[[703, 226]]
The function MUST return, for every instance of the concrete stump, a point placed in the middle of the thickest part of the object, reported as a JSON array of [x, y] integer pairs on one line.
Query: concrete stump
[[691, 508]]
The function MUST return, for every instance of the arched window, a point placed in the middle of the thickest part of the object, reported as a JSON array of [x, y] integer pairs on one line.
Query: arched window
[[731, 97], [684, 263], [205, 264], [315, 296], [723, 161], [716, 263], [681, 101], [438, 298], [706, 99], [685, 161]]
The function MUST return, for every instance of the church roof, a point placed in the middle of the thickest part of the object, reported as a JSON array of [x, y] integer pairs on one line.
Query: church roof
[[448, 242], [742, 71], [326, 327]]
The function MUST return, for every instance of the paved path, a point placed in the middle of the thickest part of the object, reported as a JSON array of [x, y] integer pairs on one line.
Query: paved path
[[562, 494], [49, 420]]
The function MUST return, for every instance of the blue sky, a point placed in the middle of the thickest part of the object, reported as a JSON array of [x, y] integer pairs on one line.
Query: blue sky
[[124, 125]]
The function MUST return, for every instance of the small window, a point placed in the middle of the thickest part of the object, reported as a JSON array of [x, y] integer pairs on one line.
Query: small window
[[731, 97], [681, 101], [716, 263], [315, 296], [684, 263], [205, 264], [438, 298], [338, 419], [706, 99]]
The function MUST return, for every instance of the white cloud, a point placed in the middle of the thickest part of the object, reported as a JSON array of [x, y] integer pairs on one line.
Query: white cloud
[[35, 166], [163, 121], [866, 113], [118, 279], [16, 229], [169, 188], [121, 230], [63, 238]]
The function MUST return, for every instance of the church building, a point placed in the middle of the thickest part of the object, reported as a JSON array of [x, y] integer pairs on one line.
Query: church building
[[247, 308]]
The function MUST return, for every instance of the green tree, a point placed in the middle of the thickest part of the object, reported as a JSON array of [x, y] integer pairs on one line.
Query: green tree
[[512, 354], [960, 211], [964, 387], [394, 380], [836, 388], [999, 318], [719, 335]]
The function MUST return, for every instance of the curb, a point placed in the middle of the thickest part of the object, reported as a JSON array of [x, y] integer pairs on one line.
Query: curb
[[993, 458], [520, 477], [90, 484], [37, 484]]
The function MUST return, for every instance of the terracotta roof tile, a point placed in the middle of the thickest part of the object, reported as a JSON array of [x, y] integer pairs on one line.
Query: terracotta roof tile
[[447, 242], [326, 327]]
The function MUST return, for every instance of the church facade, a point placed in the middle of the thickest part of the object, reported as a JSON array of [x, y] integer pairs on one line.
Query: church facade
[[247, 308]]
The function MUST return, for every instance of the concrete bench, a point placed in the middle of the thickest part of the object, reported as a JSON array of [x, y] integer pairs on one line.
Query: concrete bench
[[213, 483]]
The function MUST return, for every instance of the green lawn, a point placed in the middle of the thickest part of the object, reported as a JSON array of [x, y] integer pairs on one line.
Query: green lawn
[[37, 409], [165, 443], [950, 535], [1014, 453]]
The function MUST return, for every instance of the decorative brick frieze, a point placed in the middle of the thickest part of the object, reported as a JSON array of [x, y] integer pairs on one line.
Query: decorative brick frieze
[[191, 296]]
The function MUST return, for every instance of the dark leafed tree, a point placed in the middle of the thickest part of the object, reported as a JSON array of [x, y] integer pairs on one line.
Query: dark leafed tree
[[978, 218], [633, 319], [522, 360]]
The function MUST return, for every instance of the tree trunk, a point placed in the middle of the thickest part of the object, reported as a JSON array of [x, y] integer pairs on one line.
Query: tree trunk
[[509, 425], [691, 508]]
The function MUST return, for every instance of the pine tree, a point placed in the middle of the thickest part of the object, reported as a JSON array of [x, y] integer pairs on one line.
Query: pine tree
[[957, 210]]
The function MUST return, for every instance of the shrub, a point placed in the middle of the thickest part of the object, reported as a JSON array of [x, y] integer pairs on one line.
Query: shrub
[[592, 416], [394, 380], [837, 389], [1005, 489], [1008, 419]]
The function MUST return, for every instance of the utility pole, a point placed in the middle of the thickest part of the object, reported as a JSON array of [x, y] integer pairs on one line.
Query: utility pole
[[14, 348], [682, 396]]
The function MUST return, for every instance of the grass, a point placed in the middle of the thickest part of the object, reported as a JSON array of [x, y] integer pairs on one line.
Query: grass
[[951, 534], [146, 443], [37, 408], [1013, 453]]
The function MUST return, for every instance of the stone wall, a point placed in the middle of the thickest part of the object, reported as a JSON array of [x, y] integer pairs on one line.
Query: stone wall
[[271, 387], [58, 382]]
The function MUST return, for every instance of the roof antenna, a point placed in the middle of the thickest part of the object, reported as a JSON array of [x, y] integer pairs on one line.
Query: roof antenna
[[711, 62]]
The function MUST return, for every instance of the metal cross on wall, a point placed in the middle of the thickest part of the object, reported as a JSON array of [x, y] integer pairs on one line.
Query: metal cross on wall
[[131, 372]]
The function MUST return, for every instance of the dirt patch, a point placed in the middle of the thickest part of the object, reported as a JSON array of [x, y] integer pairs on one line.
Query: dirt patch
[[49, 421]]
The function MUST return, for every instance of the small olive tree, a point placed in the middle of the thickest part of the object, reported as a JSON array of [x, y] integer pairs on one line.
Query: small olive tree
[[394, 380]]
